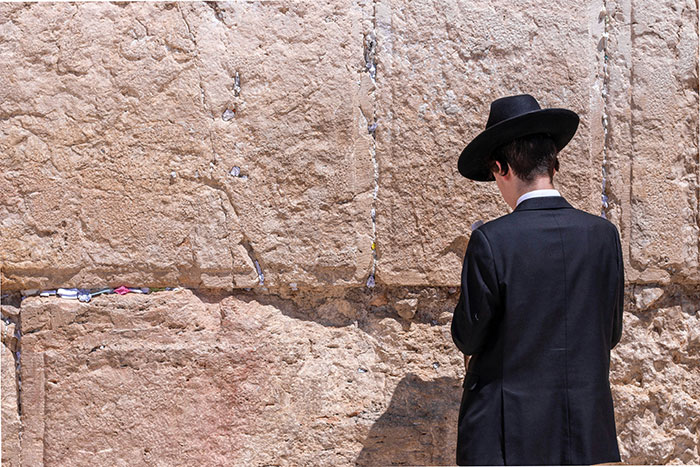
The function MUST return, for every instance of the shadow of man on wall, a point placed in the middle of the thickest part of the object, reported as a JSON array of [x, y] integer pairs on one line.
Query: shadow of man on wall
[[419, 427]]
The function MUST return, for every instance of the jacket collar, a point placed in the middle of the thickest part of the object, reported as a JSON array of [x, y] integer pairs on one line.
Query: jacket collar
[[543, 202]]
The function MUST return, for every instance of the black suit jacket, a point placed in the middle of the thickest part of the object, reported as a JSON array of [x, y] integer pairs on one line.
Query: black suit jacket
[[539, 309]]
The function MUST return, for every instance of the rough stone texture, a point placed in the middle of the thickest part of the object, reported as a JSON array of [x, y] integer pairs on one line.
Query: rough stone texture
[[116, 145], [174, 378], [655, 372], [259, 379], [176, 144], [440, 64], [651, 165], [652, 147], [8, 380], [97, 120]]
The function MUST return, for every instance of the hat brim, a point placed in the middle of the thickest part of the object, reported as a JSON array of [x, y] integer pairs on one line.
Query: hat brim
[[561, 124]]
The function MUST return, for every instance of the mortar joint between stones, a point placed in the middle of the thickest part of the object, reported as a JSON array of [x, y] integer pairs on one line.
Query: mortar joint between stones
[[370, 55], [605, 117]]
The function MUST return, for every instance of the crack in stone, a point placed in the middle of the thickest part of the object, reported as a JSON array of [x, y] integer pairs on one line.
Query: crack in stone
[[251, 254], [606, 121], [236, 84], [369, 54], [370, 50], [217, 185], [18, 369], [227, 115], [231, 252], [199, 73], [217, 11]]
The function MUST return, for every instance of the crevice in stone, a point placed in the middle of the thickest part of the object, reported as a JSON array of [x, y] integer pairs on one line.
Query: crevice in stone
[[369, 54], [18, 368], [633, 144], [606, 119], [251, 254], [196, 50], [236, 84], [18, 382], [433, 304], [212, 182], [373, 215], [217, 11], [370, 50], [230, 248]]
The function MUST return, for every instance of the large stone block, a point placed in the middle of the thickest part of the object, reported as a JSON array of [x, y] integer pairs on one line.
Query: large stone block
[[439, 65], [121, 124], [174, 378], [653, 137]]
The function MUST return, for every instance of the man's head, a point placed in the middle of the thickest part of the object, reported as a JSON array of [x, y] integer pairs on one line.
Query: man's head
[[530, 157], [524, 164], [511, 123]]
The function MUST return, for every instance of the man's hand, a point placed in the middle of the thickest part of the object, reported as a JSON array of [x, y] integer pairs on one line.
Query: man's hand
[[467, 359]]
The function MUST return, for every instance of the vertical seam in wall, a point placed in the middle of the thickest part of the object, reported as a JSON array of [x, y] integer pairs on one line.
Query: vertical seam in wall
[[18, 364], [18, 373], [370, 51], [606, 120], [43, 411], [697, 167], [632, 146]]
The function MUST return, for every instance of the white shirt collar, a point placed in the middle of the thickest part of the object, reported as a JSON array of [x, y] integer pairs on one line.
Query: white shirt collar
[[537, 194]]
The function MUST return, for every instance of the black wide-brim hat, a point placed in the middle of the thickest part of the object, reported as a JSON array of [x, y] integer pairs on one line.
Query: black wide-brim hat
[[510, 118]]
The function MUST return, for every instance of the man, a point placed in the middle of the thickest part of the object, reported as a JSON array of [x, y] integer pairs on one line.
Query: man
[[540, 305]]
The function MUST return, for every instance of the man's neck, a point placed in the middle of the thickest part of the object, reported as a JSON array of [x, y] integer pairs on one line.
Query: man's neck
[[541, 183]]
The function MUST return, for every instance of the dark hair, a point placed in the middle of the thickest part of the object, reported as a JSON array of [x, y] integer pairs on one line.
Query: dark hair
[[529, 156]]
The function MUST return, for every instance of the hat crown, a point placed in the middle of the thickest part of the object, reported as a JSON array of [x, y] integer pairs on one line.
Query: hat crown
[[511, 106]]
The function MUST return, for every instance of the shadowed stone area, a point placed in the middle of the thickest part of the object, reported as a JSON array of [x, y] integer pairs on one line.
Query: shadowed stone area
[[419, 427]]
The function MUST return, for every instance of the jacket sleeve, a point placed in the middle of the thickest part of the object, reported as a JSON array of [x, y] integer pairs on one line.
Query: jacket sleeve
[[619, 294], [479, 299]]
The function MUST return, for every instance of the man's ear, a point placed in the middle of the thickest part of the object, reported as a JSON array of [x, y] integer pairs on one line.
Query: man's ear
[[496, 167], [499, 170]]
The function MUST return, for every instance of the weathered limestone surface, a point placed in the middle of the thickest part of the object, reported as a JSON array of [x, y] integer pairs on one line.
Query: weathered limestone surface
[[8, 380], [653, 137], [440, 64], [118, 138], [178, 379], [655, 375], [249, 379], [120, 123]]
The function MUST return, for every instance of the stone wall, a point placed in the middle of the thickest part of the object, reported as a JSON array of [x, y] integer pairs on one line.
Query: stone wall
[[290, 167]]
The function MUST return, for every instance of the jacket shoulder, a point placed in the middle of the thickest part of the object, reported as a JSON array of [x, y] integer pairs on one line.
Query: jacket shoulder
[[505, 222], [512, 220], [597, 221]]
